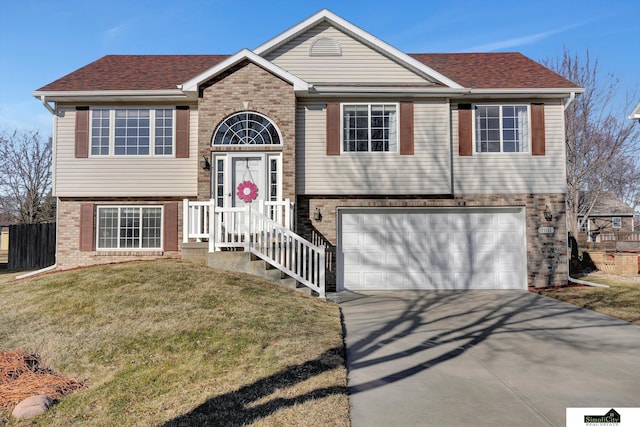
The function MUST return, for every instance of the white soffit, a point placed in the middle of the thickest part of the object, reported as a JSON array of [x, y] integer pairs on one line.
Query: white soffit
[[245, 54], [358, 33]]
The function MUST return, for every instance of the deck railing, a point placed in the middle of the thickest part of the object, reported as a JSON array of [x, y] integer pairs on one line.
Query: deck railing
[[261, 231]]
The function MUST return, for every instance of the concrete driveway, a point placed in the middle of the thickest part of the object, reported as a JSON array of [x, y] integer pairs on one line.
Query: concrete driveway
[[483, 358]]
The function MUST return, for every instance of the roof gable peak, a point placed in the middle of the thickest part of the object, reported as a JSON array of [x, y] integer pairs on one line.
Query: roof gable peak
[[331, 18], [245, 54]]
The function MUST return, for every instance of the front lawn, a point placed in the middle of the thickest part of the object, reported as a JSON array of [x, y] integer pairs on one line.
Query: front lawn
[[620, 300], [177, 343]]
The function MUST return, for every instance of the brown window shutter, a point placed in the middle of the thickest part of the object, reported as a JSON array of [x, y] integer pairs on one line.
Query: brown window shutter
[[465, 130], [406, 128], [86, 226], [170, 226], [82, 132], [333, 129], [182, 132], [537, 130]]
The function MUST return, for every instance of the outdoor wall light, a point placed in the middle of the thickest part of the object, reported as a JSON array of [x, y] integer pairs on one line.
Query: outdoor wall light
[[204, 163], [317, 215], [547, 213]]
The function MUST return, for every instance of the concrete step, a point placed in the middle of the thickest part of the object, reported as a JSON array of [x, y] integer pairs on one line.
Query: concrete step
[[244, 262]]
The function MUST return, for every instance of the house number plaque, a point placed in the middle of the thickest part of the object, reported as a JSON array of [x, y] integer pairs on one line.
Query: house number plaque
[[546, 230]]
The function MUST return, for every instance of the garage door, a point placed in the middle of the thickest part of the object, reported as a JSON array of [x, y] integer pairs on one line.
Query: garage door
[[466, 248]]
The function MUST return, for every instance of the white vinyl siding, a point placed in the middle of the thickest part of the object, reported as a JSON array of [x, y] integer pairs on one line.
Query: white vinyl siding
[[425, 172], [121, 176], [357, 63], [497, 173]]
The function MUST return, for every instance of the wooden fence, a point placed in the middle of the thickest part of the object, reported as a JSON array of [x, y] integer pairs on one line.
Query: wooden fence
[[32, 246]]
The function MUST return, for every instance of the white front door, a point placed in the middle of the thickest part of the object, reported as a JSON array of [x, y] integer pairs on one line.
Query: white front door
[[239, 179], [248, 176]]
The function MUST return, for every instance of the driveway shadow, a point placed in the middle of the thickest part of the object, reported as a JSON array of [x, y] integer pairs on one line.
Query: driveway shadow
[[395, 339]]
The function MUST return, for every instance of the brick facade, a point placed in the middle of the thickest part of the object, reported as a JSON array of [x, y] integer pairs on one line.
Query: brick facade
[[68, 253], [248, 87], [546, 253]]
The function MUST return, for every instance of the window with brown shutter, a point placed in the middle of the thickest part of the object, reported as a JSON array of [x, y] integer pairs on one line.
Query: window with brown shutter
[[86, 226], [465, 130], [170, 227], [82, 133], [182, 132], [406, 128], [333, 129], [537, 130]]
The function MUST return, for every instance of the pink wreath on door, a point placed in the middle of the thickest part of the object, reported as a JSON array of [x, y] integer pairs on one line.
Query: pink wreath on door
[[247, 191]]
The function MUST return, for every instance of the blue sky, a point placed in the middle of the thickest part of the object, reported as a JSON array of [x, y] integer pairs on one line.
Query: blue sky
[[43, 40]]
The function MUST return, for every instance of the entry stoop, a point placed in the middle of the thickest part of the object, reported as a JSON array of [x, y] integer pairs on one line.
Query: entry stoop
[[245, 262]]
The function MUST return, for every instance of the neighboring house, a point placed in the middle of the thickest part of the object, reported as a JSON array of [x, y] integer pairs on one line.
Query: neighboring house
[[635, 114], [4, 238], [422, 170], [5, 222], [609, 219]]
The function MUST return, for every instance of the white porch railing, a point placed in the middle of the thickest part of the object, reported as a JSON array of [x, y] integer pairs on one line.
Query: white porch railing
[[265, 232]]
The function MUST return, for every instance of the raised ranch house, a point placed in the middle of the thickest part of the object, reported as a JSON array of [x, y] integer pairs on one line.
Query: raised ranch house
[[322, 147]]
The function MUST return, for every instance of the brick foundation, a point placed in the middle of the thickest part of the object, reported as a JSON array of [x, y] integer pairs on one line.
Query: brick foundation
[[546, 253]]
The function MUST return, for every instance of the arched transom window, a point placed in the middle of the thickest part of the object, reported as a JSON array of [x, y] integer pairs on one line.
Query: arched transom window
[[247, 128]]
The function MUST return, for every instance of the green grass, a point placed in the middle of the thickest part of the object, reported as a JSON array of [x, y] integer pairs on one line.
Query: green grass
[[620, 300], [174, 341]]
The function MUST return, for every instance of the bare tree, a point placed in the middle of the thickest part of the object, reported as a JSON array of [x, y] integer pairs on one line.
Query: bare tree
[[25, 177], [599, 138]]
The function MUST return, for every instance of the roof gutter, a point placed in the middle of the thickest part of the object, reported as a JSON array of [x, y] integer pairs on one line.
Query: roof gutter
[[101, 94]]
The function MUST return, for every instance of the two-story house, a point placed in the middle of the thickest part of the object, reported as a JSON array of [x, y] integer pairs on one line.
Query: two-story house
[[422, 171]]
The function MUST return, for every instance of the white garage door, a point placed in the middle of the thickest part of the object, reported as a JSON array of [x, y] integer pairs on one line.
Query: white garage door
[[466, 248]]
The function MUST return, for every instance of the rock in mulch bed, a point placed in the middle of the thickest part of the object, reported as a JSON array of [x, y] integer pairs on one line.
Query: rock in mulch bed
[[23, 377]]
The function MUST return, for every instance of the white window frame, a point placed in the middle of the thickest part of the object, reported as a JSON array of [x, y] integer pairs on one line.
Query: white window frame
[[586, 226], [501, 152], [120, 207], [152, 131], [369, 104], [255, 146], [616, 222]]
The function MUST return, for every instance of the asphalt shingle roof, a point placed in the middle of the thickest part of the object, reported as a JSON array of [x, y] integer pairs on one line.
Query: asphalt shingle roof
[[156, 72]]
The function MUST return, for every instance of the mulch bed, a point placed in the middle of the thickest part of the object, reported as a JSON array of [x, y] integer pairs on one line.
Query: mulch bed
[[22, 375]]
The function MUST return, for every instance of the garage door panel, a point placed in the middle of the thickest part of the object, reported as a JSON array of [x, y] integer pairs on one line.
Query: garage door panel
[[351, 238], [373, 279], [350, 219], [484, 238], [458, 248], [371, 220], [372, 261], [375, 238]]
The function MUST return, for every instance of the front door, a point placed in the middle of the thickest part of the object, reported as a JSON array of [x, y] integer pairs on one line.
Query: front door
[[239, 179], [247, 175]]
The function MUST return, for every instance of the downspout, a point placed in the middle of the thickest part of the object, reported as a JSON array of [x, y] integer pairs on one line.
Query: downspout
[[584, 282], [53, 143], [572, 97], [43, 99]]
